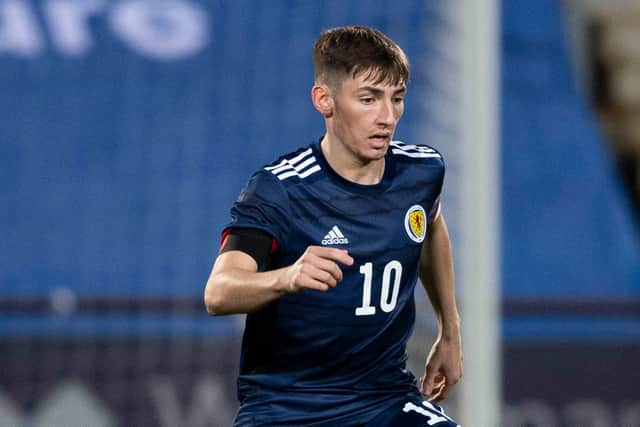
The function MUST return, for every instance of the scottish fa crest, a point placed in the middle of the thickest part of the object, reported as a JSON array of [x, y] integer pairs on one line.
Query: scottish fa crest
[[415, 223]]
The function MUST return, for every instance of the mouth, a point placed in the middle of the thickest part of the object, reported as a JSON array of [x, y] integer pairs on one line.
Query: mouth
[[380, 138]]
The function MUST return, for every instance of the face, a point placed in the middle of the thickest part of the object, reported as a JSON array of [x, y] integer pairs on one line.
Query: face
[[365, 116]]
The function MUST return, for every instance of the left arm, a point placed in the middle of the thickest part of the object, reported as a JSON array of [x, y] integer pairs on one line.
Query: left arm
[[443, 367]]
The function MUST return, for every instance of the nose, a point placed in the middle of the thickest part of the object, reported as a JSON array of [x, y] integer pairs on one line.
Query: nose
[[386, 115]]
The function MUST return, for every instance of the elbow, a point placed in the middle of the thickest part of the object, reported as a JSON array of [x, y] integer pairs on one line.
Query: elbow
[[214, 301], [212, 305]]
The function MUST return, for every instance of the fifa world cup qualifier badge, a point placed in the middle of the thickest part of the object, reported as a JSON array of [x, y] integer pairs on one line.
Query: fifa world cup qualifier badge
[[415, 222]]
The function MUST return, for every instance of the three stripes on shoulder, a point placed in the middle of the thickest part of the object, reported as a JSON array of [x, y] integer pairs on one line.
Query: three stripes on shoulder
[[412, 150], [302, 165]]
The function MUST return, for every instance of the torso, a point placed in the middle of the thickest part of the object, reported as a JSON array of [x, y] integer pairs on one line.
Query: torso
[[349, 341]]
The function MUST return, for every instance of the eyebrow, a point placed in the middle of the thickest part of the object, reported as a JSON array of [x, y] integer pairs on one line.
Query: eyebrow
[[376, 91]]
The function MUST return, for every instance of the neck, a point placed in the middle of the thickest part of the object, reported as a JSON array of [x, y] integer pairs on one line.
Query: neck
[[348, 165]]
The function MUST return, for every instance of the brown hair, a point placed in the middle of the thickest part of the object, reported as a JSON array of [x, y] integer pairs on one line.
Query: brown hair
[[353, 50]]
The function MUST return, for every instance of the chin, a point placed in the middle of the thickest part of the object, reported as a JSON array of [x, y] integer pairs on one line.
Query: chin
[[380, 148], [373, 154]]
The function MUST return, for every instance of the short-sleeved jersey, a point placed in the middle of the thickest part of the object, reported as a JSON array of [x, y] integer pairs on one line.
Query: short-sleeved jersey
[[336, 357]]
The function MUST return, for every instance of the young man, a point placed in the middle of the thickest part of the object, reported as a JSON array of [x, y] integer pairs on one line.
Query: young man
[[323, 252]]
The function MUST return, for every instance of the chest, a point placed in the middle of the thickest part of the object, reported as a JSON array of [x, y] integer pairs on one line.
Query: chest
[[361, 223], [383, 232]]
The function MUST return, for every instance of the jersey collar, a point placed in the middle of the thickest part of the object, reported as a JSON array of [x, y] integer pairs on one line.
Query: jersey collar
[[389, 171]]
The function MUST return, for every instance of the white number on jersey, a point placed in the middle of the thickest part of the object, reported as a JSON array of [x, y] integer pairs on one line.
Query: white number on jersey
[[389, 292]]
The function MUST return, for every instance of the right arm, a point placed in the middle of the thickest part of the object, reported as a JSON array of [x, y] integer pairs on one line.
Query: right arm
[[236, 286]]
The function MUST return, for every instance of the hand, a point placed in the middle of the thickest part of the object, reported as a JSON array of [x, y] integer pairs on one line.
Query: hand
[[317, 269], [443, 368]]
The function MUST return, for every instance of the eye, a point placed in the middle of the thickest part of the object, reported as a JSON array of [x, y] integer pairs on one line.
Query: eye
[[367, 100], [398, 99]]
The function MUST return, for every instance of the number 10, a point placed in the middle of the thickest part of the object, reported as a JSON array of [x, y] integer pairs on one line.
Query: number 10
[[388, 293]]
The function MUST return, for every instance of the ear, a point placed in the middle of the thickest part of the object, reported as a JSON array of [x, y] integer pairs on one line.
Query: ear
[[322, 99]]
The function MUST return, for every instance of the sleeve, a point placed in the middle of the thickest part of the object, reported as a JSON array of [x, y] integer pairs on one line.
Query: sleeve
[[436, 207], [263, 204], [434, 213], [255, 243]]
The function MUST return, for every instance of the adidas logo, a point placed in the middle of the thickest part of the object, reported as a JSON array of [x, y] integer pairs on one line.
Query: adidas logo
[[335, 237]]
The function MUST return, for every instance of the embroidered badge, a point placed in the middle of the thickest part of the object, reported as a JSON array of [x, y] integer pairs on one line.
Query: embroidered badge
[[415, 222]]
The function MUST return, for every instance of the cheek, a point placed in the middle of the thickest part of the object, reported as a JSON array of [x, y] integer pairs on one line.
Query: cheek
[[351, 122]]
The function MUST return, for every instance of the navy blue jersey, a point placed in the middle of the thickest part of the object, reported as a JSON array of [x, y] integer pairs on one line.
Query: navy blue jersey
[[336, 357]]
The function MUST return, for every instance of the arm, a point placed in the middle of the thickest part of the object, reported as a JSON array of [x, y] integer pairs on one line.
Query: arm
[[236, 286], [443, 367]]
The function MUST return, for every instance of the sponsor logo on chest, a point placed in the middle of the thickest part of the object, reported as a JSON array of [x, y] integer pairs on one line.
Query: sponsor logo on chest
[[334, 237]]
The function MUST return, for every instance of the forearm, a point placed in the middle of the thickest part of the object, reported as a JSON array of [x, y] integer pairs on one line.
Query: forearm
[[437, 276], [232, 290], [235, 286]]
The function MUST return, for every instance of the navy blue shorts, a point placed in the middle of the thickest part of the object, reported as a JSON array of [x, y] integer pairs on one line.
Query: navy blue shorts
[[412, 412]]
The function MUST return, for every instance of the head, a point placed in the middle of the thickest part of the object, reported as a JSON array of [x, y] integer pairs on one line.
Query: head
[[360, 83]]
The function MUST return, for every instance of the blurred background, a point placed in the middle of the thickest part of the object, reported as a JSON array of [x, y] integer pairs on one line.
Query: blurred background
[[127, 128]]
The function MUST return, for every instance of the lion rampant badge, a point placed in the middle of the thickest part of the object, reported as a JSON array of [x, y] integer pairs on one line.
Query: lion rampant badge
[[415, 222]]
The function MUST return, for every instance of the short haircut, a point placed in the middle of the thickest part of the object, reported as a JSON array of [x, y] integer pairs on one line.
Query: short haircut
[[353, 50]]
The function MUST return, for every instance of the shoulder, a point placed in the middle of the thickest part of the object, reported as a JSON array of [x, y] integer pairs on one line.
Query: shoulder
[[417, 162], [293, 167], [419, 155]]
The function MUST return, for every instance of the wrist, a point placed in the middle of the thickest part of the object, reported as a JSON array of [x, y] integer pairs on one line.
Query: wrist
[[449, 328], [280, 282]]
